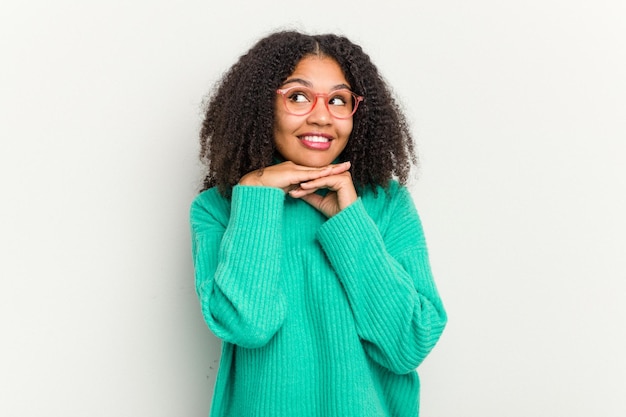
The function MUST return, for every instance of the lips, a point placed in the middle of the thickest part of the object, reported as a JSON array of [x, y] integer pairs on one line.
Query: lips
[[316, 142]]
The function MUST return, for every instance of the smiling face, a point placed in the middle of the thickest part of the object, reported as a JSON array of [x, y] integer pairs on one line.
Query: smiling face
[[315, 139]]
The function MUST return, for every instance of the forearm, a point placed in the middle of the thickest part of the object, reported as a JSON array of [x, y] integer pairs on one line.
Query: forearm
[[398, 313], [238, 273]]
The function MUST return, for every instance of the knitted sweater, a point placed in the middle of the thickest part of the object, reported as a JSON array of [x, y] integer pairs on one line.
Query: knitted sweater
[[318, 317]]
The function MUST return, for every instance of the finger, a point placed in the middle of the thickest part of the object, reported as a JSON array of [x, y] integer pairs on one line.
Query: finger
[[289, 176], [299, 192], [314, 200], [339, 168], [341, 185], [291, 188], [324, 205], [332, 182], [333, 169], [306, 174]]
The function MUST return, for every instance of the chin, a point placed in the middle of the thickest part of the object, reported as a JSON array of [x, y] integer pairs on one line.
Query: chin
[[315, 163]]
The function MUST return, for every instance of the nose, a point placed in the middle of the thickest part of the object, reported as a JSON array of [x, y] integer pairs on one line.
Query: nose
[[319, 114]]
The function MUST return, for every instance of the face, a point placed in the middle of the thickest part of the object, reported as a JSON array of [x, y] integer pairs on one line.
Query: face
[[315, 139]]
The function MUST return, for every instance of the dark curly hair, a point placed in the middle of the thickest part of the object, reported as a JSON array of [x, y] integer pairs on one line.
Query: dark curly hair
[[237, 132]]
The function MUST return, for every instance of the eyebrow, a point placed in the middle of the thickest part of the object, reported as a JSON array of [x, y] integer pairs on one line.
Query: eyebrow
[[308, 84]]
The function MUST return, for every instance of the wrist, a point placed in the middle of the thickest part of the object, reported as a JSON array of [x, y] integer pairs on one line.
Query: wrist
[[251, 178]]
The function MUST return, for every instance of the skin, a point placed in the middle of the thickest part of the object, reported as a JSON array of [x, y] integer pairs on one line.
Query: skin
[[308, 169]]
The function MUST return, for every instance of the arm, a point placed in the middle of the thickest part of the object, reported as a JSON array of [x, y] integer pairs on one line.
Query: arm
[[386, 274], [237, 263], [237, 258]]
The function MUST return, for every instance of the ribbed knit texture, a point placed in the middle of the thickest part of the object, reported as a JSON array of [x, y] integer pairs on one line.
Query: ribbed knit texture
[[318, 317]]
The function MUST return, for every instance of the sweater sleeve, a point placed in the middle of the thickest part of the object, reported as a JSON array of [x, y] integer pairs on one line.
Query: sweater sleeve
[[237, 264], [387, 278]]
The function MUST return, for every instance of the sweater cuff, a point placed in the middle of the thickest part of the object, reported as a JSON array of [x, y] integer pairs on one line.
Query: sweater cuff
[[349, 233], [256, 207]]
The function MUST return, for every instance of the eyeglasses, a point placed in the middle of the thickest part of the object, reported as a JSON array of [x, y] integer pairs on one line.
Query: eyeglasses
[[300, 101]]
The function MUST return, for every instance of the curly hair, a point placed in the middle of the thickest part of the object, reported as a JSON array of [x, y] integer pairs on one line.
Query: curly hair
[[237, 134]]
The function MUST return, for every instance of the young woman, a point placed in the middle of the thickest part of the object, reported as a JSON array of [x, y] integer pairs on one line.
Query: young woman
[[311, 263]]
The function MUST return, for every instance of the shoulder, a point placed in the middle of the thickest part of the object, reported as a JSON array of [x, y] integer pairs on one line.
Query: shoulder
[[386, 204], [392, 209], [209, 198], [385, 197], [210, 205]]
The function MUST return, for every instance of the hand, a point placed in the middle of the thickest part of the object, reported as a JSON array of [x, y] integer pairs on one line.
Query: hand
[[289, 176], [341, 192]]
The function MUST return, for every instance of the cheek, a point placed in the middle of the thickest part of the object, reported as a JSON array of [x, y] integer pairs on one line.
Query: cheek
[[283, 122], [346, 129]]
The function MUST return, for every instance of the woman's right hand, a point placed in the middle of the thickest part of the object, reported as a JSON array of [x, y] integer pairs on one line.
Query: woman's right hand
[[288, 176]]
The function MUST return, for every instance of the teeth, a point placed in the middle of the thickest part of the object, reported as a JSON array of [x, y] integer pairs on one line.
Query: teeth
[[315, 139]]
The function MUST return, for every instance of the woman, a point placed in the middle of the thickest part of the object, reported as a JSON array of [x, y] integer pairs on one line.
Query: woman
[[311, 264]]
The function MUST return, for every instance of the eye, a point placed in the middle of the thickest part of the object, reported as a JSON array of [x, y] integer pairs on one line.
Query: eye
[[340, 99], [299, 97]]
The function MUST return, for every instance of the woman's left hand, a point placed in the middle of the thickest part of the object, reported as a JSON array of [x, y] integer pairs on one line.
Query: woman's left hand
[[341, 193]]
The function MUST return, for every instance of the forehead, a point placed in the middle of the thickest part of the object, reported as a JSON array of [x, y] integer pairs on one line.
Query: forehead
[[320, 72]]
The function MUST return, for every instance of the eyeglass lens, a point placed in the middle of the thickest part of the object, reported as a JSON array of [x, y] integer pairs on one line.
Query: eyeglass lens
[[300, 101]]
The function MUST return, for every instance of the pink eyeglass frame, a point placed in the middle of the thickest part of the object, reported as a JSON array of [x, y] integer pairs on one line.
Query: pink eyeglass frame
[[284, 91]]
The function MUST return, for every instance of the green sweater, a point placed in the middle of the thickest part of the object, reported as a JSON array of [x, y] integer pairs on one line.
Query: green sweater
[[318, 317]]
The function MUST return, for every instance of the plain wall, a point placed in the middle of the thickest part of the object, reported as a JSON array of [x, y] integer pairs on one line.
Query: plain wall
[[519, 112]]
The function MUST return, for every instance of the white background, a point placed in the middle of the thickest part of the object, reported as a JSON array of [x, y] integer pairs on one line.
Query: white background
[[519, 110]]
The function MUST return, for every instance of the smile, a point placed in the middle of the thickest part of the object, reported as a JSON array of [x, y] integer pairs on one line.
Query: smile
[[320, 139], [315, 142]]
